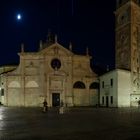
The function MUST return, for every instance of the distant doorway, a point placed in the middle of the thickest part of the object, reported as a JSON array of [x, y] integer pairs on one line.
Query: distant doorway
[[55, 99], [107, 101]]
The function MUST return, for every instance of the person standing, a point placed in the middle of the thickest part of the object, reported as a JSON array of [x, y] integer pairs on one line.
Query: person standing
[[138, 103], [61, 109], [45, 106]]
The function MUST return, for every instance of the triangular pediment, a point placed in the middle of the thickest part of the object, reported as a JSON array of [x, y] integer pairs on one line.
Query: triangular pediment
[[56, 49]]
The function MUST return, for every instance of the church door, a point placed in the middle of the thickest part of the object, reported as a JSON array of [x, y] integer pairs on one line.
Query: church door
[[55, 99]]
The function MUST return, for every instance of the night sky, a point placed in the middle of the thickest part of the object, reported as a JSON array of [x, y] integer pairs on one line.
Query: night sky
[[85, 23]]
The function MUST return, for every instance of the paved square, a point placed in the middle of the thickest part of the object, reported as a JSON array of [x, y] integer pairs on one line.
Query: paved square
[[74, 124]]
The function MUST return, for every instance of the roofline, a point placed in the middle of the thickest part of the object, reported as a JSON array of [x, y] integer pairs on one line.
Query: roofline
[[114, 71]]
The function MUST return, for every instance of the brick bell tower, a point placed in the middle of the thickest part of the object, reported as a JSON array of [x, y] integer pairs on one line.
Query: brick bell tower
[[127, 33]]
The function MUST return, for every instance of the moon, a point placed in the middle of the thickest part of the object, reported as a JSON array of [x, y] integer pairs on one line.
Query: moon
[[19, 16]]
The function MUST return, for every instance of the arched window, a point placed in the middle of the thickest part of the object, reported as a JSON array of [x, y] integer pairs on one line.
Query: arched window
[[14, 84], [79, 84], [31, 84], [94, 85]]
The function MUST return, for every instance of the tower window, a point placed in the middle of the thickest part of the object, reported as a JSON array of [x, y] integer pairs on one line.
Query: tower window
[[122, 37], [2, 92], [137, 69]]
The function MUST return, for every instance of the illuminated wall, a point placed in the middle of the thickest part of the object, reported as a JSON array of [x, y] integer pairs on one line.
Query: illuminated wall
[[115, 89]]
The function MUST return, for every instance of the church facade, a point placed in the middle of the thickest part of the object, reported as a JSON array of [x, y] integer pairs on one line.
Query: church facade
[[54, 74]]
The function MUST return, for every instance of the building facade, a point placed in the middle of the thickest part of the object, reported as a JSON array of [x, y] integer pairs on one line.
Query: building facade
[[53, 73], [115, 89]]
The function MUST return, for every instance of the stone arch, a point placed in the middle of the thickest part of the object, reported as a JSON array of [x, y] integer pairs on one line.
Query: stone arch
[[14, 84], [94, 85], [79, 85], [31, 84]]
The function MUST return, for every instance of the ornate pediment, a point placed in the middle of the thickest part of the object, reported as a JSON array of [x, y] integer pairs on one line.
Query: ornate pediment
[[56, 49]]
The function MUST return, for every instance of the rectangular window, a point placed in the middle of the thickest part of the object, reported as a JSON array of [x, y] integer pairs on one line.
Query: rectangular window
[[102, 84], [111, 99], [111, 82], [103, 100], [2, 92], [138, 69]]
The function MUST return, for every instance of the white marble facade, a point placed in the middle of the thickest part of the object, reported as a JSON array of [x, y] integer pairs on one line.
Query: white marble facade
[[53, 73]]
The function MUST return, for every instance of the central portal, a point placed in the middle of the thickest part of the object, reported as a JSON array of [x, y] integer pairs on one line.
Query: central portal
[[55, 99]]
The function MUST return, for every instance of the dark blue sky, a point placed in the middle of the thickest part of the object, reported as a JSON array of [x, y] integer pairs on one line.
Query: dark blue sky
[[83, 22]]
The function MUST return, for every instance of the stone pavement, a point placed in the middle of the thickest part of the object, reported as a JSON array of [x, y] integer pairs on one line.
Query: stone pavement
[[75, 124]]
